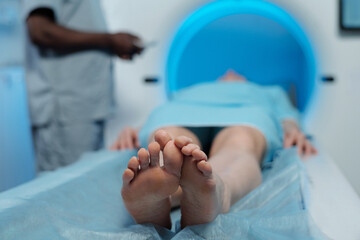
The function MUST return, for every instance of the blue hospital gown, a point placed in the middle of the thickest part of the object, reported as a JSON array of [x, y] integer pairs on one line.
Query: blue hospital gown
[[221, 104]]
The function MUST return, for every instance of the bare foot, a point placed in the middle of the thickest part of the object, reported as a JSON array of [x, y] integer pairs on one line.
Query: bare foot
[[204, 195], [146, 189]]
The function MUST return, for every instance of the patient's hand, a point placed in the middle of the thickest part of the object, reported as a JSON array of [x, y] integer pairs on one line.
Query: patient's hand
[[294, 137], [127, 139]]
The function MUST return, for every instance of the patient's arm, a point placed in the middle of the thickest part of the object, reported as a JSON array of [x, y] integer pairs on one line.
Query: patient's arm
[[127, 139], [294, 137]]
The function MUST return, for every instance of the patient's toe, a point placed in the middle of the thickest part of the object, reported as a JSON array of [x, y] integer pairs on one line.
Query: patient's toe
[[143, 156], [188, 149], [131, 171], [128, 176], [162, 137], [198, 154], [133, 164], [173, 158], [205, 168], [154, 150], [182, 141]]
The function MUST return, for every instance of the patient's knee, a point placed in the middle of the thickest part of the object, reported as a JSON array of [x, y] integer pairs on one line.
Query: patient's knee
[[241, 137]]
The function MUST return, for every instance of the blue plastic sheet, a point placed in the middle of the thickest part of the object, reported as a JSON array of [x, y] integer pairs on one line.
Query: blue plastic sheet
[[83, 201]]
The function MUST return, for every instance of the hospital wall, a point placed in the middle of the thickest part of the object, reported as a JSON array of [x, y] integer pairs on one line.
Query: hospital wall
[[334, 115]]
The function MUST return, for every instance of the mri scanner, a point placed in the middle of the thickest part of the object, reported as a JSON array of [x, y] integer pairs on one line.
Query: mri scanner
[[243, 36], [255, 38]]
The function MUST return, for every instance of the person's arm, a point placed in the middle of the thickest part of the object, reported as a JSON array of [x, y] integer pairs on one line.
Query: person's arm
[[293, 136], [127, 139], [288, 116], [45, 32]]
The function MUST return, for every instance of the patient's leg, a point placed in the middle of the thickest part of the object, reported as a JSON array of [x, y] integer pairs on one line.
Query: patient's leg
[[233, 170], [147, 186]]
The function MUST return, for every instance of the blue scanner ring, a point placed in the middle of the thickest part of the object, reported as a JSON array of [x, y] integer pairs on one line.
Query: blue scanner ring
[[224, 8]]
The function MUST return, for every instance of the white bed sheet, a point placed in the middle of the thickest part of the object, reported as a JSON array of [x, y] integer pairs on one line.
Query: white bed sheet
[[333, 203]]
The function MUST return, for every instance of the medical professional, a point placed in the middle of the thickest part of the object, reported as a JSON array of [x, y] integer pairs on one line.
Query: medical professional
[[69, 77]]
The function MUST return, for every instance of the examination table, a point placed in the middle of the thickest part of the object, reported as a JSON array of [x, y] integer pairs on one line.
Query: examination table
[[83, 201]]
